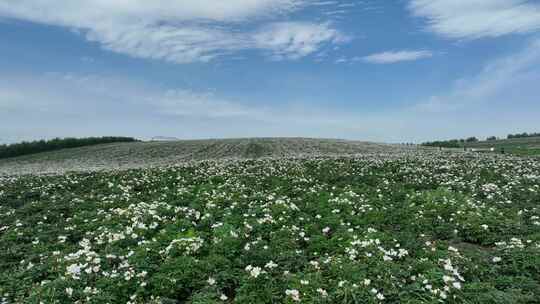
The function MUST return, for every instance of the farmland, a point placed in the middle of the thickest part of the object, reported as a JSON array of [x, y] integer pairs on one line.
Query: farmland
[[522, 146], [269, 221], [528, 146], [151, 154]]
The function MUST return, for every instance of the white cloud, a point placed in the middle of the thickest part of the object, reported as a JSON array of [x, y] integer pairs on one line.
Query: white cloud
[[175, 44], [90, 105], [472, 19], [511, 79], [500, 99], [187, 103], [182, 31], [86, 13], [85, 105], [73, 94], [396, 56], [294, 40]]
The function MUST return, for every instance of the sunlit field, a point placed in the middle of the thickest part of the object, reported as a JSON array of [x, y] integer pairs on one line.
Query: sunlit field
[[269, 152], [381, 227]]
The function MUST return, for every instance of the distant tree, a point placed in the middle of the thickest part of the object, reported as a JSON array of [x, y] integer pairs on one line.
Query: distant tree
[[25, 148], [453, 143], [523, 135], [460, 143]]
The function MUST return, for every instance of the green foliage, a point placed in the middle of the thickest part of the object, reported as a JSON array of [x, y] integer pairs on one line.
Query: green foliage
[[519, 144], [33, 147], [417, 227], [523, 135], [453, 143]]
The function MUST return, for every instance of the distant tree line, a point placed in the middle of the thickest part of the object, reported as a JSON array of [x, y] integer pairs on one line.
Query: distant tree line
[[459, 143], [523, 135], [25, 148], [452, 143]]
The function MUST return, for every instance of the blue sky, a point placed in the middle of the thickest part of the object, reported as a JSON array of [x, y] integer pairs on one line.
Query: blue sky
[[392, 71]]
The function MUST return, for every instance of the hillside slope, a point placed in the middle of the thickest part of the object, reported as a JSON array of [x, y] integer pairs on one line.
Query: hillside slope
[[150, 154], [518, 146]]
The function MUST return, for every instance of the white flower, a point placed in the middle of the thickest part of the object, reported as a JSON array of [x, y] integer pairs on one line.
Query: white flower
[[452, 249], [223, 297], [211, 281], [271, 265], [69, 291], [380, 296], [293, 293], [326, 230], [304, 282], [496, 259], [74, 270], [323, 292], [367, 282], [253, 271]]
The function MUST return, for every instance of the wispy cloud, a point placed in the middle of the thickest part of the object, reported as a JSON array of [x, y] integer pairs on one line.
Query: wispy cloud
[[73, 94], [186, 31], [396, 56], [293, 40], [472, 19], [511, 79], [71, 104], [499, 99]]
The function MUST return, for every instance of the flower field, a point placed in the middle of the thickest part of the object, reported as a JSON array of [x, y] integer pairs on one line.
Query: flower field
[[381, 227], [123, 156]]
